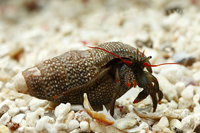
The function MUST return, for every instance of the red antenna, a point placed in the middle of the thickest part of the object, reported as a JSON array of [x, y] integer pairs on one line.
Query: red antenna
[[147, 64], [129, 63]]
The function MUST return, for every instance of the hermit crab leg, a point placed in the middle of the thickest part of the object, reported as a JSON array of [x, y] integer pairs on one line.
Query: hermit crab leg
[[153, 97], [156, 85], [114, 97], [142, 95]]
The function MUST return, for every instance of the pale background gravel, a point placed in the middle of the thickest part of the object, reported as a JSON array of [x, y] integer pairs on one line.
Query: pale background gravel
[[53, 27]]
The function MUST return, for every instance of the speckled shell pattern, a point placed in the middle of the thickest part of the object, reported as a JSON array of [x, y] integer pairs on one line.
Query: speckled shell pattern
[[75, 68]]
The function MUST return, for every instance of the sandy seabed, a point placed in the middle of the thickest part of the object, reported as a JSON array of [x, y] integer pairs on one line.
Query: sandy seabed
[[33, 31]]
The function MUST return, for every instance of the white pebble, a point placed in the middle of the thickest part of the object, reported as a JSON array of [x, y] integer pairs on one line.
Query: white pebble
[[20, 129], [1, 84], [5, 118], [166, 130], [190, 121], [37, 103], [188, 92], [167, 88], [125, 123], [171, 73], [8, 102], [170, 77], [180, 86], [196, 65], [33, 117], [20, 103], [112, 129], [169, 112], [23, 123], [60, 126], [43, 121], [50, 128], [4, 129], [176, 123], [163, 123], [179, 56], [30, 130], [70, 116], [173, 104], [96, 127], [197, 90], [196, 99], [75, 131], [196, 109], [13, 111], [18, 118], [169, 21], [184, 113], [84, 125], [196, 76], [182, 103], [23, 109], [82, 116], [73, 124], [62, 131], [61, 112], [76, 107], [143, 131]]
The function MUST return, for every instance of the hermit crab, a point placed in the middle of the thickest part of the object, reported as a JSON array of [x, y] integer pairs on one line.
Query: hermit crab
[[105, 73]]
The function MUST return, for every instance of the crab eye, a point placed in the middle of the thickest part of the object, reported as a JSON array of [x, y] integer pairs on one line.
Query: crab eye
[[131, 57], [150, 57]]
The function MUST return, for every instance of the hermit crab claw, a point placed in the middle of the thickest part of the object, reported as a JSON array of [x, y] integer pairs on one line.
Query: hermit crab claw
[[150, 87]]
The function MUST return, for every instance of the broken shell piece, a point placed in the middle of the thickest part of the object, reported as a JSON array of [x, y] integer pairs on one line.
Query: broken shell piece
[[100, 117], [125, 123], [143, 125], [169, 113], [18, 83], [5, 118], [155, 116], [4, 109]]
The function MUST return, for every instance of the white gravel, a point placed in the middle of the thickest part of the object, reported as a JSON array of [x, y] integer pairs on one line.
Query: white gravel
[[33, 32]]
